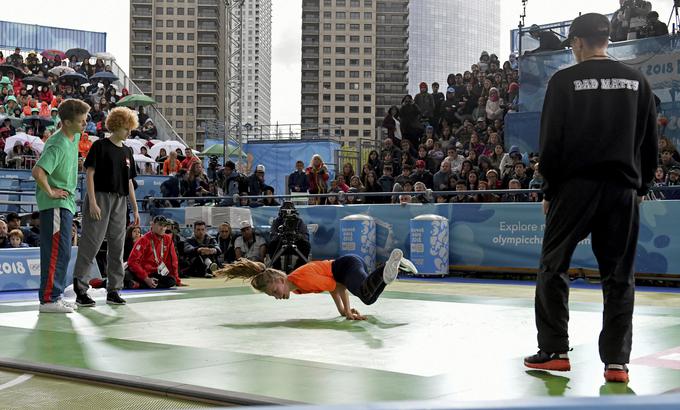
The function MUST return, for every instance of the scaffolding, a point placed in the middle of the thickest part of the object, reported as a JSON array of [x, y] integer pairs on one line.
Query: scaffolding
[[233, 77]]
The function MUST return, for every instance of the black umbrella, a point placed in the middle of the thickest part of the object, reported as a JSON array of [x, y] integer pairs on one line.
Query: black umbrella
[[80, 53], [36, 80], [44, 122], [75, 78], [104, 75], [5, 68]]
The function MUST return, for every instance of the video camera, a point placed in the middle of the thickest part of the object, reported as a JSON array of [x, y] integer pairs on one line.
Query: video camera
[[290, 219]]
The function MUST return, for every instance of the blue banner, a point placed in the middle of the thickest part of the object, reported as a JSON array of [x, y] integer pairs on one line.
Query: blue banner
[[20, 268], [498, 236]]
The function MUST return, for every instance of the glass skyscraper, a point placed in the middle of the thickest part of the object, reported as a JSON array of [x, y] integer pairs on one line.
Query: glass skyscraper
[[447, 36]]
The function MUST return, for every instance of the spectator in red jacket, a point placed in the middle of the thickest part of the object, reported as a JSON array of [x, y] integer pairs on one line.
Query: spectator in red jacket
[[153, 260]]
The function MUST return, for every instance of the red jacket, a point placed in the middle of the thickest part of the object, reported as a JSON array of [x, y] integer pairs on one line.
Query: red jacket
[[141, 261]]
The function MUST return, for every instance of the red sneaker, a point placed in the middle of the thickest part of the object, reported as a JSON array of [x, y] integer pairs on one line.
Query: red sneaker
[[616, 373], [548, 361]]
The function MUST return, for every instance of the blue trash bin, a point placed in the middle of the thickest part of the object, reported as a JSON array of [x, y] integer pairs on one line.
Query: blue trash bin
[[357, 237], [430, 245]]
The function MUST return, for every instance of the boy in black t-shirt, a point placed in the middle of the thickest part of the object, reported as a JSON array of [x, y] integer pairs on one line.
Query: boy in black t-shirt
[[110, 171]]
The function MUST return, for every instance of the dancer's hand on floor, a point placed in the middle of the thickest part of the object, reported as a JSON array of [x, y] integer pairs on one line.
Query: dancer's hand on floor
[[355, 315]]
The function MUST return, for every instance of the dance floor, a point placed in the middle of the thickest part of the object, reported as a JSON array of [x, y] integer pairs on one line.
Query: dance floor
[[423, 340]]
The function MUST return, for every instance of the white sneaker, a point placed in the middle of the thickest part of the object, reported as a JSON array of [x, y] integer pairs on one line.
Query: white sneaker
[[56, 307], [391, 269], [408, 266], [66, 303]]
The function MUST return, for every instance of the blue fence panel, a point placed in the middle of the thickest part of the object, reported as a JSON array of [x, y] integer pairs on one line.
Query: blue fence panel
[[38, 38]]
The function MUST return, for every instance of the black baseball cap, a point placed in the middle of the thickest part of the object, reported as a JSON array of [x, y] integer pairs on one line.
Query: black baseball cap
[[588, 25], [160, 219]]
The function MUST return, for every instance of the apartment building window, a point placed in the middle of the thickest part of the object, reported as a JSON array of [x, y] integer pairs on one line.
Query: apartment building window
[[367, 98], [368, 62], [340, 74], [367, 121], [368, 74], [158, 86], [327, 15], [169, 74], [339, 50], [168, 100], [339, 86], [353, 133], [353, 120], [159, 60], [180, 74], [327, 61], [340, 3], [170, 24], [180, 61], [190, 36], [340, 39], [168, 86], [159, 23], [190, 49], [327, 50], [327, 38], [159, 73], [326, 108], [354, 50], [353, 74], [355, 3], [168, 61], [368, 27], [180, 49], [339, 97], [340, 62], [327, 3], [190, 98], [368, 39], [180, 23], [327, 73], [353, 86], [367, 86], [368, 50], [340, 26], [180, 36], [169, 11], [327, 26], [340, 15], [159, 48], [191, 11], [326, 97], [354, 97], [159, 36], [367, 110], [354, 62], [169, 36], [168, 49], [180, 11], [354, 16], [179, 98], [339, 121], [354, 39], [190, 74], [368, 15]]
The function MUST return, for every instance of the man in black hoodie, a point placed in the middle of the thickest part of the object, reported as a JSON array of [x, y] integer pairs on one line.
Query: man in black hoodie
[[598, 150]]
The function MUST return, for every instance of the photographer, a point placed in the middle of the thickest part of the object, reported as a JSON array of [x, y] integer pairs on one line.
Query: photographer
[[213, 171], [289, 229], [629, 18], [547, 40], [653, 28]]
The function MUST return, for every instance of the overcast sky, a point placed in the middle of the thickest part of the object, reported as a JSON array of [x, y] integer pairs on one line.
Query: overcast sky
[[113, 17]]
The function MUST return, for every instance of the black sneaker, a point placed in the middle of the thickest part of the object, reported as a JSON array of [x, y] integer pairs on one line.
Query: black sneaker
[[113, 298], [548, 361], [83, 300]]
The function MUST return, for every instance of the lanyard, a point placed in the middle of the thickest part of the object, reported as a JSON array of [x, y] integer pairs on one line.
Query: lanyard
[[155, 255]]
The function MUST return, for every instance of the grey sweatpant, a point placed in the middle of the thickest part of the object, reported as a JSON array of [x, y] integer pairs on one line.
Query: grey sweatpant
[[112, 227]]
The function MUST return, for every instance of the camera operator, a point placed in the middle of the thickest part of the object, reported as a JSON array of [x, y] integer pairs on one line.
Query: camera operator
[[629, 18], [547, 40], [289, 229], [653, 28], [213, 169]]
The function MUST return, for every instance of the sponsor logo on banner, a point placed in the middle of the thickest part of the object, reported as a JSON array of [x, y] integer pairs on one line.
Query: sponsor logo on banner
[[33, 266]]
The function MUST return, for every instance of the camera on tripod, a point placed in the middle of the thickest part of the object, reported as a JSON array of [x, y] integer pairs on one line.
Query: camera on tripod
[[288, 230]]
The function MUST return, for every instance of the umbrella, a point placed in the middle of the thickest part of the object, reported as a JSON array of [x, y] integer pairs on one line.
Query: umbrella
[[168, 145], [5, 68], [218, 149], [105, 56], [143, 159], [104, 75], [80, 53], [44, 121], [61, 70], [53, 54], [36, 80], [15, 121], [76, 78], [135, 100], [136, 145], [21, 138]]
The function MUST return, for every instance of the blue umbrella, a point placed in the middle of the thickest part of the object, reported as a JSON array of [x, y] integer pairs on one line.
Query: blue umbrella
[[104, 75], [76, 78]]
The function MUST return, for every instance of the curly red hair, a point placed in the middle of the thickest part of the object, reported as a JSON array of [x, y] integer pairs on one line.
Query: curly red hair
[[121, 117]]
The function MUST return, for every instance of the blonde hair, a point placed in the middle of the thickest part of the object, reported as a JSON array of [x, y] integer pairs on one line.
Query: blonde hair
[[121, 117], [257, 273]]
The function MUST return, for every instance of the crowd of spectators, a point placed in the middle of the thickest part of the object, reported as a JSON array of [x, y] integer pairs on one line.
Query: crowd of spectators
[[33, 86]]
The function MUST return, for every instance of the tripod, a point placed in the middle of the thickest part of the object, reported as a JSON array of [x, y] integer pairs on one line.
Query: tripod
[[287, 257]]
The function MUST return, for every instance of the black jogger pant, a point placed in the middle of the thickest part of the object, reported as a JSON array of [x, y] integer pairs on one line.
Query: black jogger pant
[[610, 213], [350, 270]]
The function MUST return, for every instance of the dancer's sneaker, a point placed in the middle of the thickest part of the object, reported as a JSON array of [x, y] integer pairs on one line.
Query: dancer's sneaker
[[54, 307], [113, 298], [391, 269], [66, 303], [84, 300], [548, 361], [616, 373], [406, 266]]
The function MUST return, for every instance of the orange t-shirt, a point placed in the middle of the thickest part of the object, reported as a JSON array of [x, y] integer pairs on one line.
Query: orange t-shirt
[[313, 277]]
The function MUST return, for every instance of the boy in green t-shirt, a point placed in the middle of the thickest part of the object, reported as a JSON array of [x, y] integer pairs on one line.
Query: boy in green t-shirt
[[56, 176]]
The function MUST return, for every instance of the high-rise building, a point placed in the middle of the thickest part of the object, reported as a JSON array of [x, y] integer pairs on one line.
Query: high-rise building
[[257, 55], [178, 55], [354, 62], [448, 36]]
